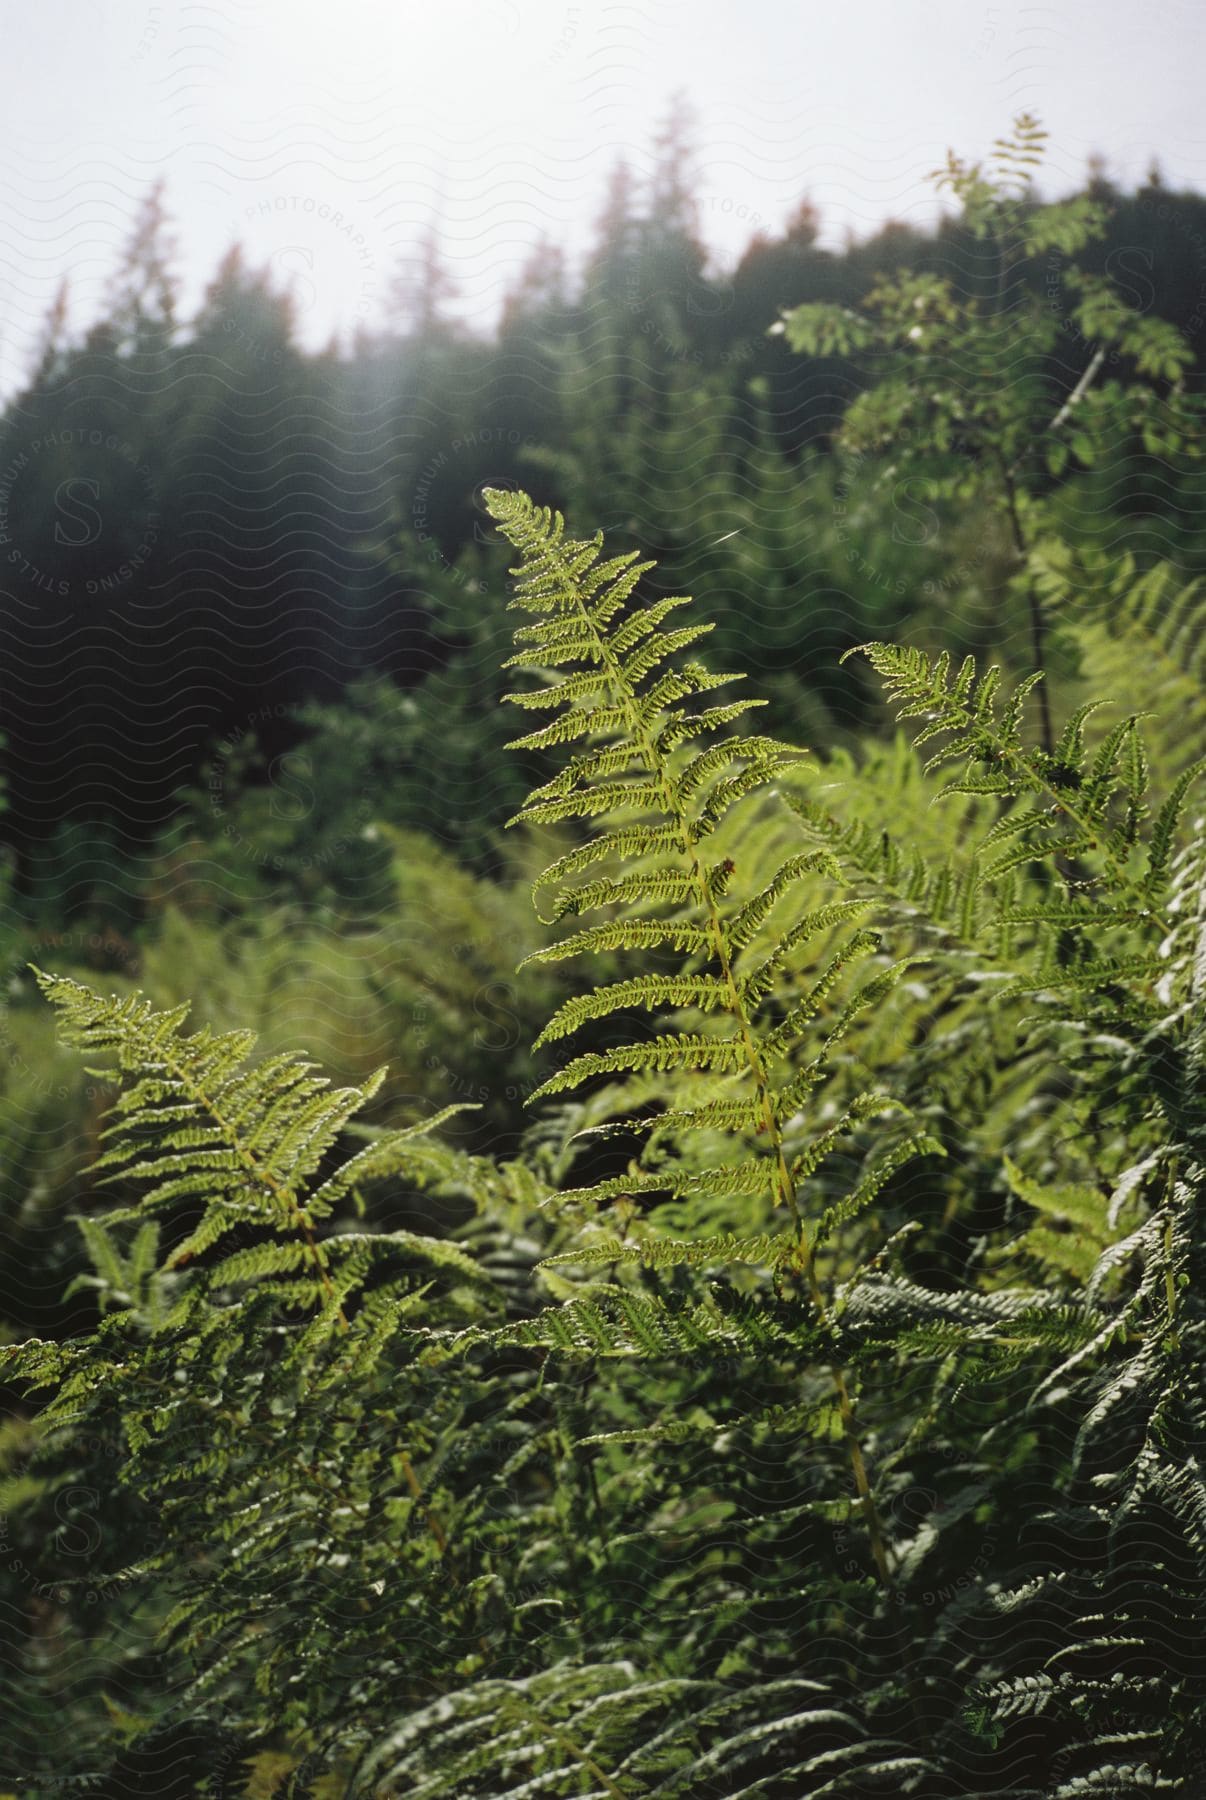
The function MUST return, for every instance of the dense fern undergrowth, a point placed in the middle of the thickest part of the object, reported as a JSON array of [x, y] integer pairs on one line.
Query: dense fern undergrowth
[[810, 1402], [826, 1421]]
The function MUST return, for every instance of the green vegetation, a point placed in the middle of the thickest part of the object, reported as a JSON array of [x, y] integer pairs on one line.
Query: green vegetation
[[755, 1349]]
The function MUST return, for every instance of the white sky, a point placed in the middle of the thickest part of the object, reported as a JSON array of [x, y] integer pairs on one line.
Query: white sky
[[503, 117]]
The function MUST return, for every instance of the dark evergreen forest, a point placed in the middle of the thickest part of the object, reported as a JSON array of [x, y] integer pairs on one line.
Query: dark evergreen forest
[[206, 528]]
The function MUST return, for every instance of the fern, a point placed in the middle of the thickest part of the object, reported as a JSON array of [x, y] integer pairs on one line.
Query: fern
[[199, 1123], [1087, 808], [716, 1443], [1138, 631], [631, 706], [684, 793], [1124, 1676], [230, 1355], [694, 1735]]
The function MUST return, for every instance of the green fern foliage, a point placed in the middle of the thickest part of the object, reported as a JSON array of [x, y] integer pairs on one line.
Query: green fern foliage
[[660, 779], [235, 1322], [1137, 630], [812, 1408], [198, 1122], [1087, 816]]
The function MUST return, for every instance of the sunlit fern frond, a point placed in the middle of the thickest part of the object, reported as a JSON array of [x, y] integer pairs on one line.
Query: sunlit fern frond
[[202, 1127], [1081, 809], [617, 1730], [1140, 632], [654, 781]]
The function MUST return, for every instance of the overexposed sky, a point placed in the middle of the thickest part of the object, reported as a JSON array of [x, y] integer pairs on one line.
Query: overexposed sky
[[326, 135]]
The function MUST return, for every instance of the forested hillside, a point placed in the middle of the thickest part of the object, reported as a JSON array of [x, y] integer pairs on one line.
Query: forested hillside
[[204, 526]]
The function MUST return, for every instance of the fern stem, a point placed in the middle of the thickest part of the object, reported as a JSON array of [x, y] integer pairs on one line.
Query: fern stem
[[582, 1756], [434, 1524], [784, 1185], [1038, 648], [1170, 1285]]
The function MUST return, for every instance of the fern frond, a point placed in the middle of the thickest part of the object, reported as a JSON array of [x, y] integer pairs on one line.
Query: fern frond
[[631, 692], [199, 1122], [1086, 807], [693, 789]]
